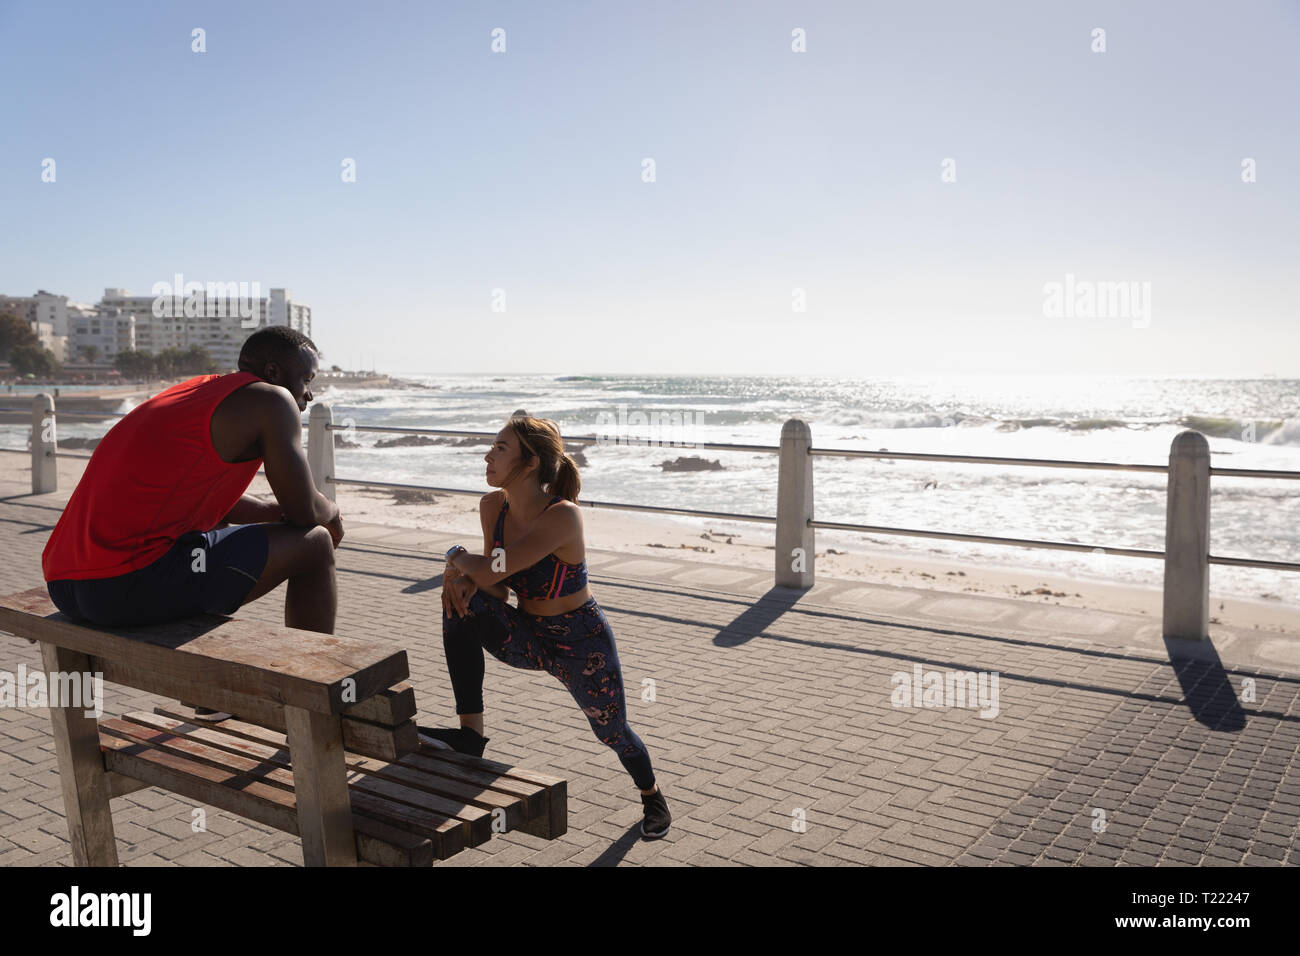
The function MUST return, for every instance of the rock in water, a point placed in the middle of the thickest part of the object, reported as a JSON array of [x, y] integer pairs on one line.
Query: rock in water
[[694, 463], [406, 441]]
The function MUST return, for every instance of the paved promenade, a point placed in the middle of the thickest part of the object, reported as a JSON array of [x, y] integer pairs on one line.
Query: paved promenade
[[773, 707]]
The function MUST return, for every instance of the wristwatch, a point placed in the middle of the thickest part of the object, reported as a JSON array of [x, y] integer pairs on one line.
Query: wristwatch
[[454, 550]]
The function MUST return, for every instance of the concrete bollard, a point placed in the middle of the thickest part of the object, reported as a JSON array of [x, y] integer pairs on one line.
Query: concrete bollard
[[320, 449], [45, 466], [1187, 539], [795, 541]]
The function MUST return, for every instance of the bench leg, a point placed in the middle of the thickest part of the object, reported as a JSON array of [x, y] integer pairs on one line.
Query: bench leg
[[320, 784], [82, 776]]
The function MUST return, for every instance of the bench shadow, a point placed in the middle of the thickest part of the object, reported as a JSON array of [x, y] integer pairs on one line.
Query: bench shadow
[[758, 616], [1207, 686], [619, 848]]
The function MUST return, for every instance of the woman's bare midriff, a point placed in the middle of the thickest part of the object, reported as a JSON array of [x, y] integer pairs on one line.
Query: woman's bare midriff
[[560, 605]]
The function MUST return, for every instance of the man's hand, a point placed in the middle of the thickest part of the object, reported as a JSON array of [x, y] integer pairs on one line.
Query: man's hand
[[335, 528], [456, 594]]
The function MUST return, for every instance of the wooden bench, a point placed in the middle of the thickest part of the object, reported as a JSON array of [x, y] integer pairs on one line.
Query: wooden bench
[[324, 744]]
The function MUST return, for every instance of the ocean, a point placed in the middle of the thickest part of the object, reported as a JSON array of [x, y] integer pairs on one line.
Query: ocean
[[1249, 424]]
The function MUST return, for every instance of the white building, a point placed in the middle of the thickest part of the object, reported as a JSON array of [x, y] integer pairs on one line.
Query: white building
[[280, 310], [217, 316], [106, 331]]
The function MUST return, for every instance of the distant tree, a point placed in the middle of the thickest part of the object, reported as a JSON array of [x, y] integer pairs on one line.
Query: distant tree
[[335, 368], [196, 360], [135, 364], [167, 363], [15, 332], [91, 352], [34, 360]]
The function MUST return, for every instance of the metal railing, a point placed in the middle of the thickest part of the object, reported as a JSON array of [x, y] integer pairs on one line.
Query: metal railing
[[1186, 553]]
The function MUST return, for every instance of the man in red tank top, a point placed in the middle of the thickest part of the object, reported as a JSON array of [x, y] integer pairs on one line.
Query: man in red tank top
[[159, 527]]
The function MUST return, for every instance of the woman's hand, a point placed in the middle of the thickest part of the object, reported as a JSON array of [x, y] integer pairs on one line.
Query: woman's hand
[[456, 594]]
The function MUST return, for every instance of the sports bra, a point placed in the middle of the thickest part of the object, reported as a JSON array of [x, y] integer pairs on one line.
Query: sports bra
[[548, 578]]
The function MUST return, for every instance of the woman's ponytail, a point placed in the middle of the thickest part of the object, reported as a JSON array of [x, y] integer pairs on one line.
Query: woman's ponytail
[[567, 482]]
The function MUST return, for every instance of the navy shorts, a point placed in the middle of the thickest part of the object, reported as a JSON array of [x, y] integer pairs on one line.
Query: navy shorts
[[205, 572]]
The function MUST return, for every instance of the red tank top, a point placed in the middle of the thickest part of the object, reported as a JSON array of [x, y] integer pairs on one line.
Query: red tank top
[[153, 478]]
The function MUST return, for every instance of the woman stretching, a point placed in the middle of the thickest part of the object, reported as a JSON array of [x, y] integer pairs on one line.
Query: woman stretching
[[537, 550]]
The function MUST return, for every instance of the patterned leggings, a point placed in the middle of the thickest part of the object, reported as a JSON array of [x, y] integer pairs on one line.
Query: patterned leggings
[[577, 648]]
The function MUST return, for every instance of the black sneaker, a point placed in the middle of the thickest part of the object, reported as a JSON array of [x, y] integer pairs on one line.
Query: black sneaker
[[657, 818], [461, 739], [210, 715], [207, 714]]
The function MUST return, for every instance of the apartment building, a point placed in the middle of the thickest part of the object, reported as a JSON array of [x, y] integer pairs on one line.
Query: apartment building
[[216, 316]]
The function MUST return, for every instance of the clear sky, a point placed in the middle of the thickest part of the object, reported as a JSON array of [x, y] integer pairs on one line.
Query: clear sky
[[774, 171]]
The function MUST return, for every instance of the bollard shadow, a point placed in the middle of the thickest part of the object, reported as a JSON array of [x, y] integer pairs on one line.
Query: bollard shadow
[[758, 617], [619, 848], [429, 584], [1207, 687]]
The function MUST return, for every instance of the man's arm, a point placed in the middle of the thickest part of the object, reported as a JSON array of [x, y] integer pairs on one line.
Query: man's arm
[[280, 434], [250, 510]]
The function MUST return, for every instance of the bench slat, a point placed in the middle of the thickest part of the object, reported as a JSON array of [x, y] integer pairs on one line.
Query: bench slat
[[545, 810], [549, 825], [271, 747], [253, 788], [359, 736], [377, 842], [532, 786], [209, 652], [516, 808]]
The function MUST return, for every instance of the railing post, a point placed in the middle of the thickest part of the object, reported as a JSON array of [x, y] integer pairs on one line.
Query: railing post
[[1187, 539], [795, 541], [45, 466], [320, 449]]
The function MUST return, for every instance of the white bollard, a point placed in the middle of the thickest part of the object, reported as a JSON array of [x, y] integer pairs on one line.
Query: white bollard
[[320, 449], [45, 466], [795, 541], [1187, 539]]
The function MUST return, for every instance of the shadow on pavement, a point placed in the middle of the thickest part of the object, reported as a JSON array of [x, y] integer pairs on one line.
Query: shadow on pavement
[[619, 848], [1207, 688], [758, 617]]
